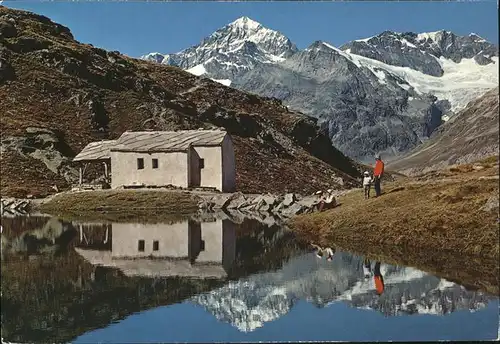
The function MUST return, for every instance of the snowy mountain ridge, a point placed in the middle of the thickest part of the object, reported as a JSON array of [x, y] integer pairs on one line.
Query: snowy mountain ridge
[[383, 94], [230, 51], [248, 304], [460, 83], [466, 75]]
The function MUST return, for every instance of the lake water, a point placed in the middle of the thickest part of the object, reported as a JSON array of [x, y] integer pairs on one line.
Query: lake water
[[213, 280]]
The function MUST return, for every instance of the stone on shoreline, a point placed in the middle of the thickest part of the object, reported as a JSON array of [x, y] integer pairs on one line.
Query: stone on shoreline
[[289, 199], [285, 206], [14, 206]]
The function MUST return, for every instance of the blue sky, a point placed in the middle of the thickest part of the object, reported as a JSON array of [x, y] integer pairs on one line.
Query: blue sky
[[136, 28]]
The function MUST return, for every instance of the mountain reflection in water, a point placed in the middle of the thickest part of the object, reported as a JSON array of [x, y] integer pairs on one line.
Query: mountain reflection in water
[[96, 281]]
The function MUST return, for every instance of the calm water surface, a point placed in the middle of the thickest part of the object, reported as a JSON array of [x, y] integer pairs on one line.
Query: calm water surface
[[216, 280]]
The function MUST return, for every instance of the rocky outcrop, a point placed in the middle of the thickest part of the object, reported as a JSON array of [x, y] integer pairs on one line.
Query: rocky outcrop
[[45, 145], [13, 207], [279, 206], [492, 204]]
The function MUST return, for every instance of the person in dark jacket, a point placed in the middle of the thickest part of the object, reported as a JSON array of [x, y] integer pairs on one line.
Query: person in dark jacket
[[367, 268]]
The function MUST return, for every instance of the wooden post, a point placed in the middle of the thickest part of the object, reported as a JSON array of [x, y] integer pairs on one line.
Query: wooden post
[[105, 170], [85, 167], [106, 235], [82, 172]]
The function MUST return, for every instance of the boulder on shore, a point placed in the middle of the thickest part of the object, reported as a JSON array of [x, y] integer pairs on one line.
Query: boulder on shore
[[287, 205], [289, 199]]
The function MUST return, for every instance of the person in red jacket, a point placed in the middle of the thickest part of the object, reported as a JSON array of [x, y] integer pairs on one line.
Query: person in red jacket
[[378, 172], [379, 279]]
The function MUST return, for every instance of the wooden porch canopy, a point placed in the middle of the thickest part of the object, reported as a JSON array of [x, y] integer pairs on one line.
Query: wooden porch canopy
[[99, 151]]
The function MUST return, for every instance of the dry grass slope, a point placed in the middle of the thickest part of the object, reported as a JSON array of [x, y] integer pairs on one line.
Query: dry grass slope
[[439, 222], [444, 212]]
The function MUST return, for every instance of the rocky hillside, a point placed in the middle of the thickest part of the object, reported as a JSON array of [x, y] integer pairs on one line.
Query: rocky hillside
[[467, 137], [386, 93], [57, 95]]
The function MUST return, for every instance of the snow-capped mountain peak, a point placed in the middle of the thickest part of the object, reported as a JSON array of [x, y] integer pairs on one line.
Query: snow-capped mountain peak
[[332, 48], [327, 48], [245, 23], [477, 37], [422, 77], [156, 57], [437, 36], [433, 36], [244, 29], [231, 51]]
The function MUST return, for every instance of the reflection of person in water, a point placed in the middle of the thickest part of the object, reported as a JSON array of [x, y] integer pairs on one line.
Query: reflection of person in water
[[367, 269], [321, 252], [318, 250], [378, 278], [329, 254]]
